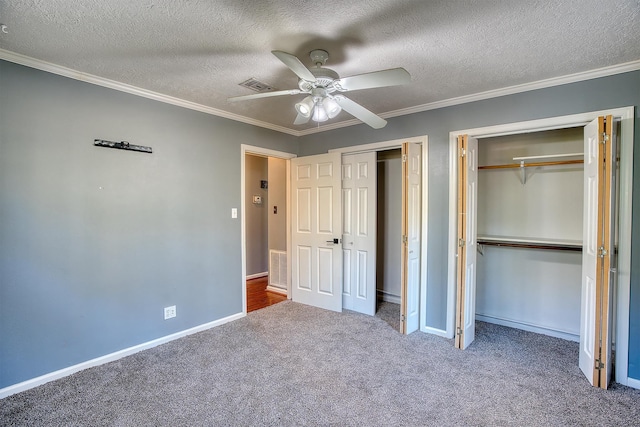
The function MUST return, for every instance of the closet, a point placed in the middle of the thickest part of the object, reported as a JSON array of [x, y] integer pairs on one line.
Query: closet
[[529, 231], [389, 230]]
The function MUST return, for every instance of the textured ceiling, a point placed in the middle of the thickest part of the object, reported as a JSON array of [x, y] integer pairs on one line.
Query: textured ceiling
[[199, 51]]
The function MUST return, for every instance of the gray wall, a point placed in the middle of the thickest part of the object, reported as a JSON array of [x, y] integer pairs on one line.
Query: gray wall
[[277, 197], [256, 220], [94, 242], [608, 92]]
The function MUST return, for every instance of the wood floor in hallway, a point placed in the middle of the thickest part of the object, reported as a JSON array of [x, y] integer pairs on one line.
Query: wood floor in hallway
[[259, 297]]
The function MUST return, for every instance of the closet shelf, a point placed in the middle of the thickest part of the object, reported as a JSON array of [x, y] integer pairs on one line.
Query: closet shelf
[[528, 243], [532, 164]]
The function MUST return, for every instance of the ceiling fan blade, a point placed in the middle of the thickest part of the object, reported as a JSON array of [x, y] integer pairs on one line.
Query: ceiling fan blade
[[359, 112], [393, 77], [295, 65], [265, 95], [300, 119]]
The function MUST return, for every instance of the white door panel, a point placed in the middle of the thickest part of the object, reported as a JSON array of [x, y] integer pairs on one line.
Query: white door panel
[[587, 356], [467, 221], [598, 255], [412, 214], [359, 179], [470, 246], [316, 267]]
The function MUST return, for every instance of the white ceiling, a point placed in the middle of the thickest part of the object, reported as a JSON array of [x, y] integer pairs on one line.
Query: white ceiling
[[198, 51]]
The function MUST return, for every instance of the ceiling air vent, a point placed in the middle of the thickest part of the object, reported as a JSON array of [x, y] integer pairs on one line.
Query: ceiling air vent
[[256, 85]]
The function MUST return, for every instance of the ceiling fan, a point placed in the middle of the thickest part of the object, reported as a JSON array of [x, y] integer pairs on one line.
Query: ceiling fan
[[325, 89]]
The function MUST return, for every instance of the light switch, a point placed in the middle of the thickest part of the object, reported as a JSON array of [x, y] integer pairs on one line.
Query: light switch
[[234, 212]]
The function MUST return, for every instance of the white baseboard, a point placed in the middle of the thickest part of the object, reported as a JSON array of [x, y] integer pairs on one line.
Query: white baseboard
[[528, 327], [256, 275], [433, 331], [387, 297], [277, 290], [634, 383], [34, 382]]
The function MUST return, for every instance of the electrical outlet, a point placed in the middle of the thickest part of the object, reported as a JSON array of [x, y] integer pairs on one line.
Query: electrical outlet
[[169, 312]]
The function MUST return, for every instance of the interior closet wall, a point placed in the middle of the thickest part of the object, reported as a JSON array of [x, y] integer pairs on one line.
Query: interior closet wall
[[535, 289], [256, 170], [389, 226], [277, 208]]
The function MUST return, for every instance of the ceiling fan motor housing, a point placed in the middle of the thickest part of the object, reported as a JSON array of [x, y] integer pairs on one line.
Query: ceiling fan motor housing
[[324, 78]]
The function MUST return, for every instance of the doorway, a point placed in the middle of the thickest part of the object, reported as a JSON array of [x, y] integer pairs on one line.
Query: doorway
[[334, 227], [389, 236], [266, 235], [264, 215]]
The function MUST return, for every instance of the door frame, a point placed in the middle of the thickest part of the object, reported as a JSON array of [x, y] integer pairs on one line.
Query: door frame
[[423, 140], [626, 114], [262, 152]]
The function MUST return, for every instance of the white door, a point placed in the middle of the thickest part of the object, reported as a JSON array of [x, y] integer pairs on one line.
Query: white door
[[411, 222], [316, 256], [598, 263], [359, 172], [467, 220]]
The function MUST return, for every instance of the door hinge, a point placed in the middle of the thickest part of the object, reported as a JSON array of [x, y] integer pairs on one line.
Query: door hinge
[[602, 252], [605, 137], [599, 365], [403, 318], [404, 158], [459, 331], [405, 239], [462, 152], [461, 242]]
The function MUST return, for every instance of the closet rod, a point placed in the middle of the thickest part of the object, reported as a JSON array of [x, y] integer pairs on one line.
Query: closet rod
[[533, 164], [549, 156], [529, 245]]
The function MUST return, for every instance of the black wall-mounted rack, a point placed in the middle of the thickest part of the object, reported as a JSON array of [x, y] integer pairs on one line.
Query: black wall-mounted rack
[[122, 145]]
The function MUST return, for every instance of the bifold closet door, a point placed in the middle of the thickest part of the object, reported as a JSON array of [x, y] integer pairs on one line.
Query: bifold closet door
[[466, 255], [598, 262], [359, 197], [316, 222], [411, 237]]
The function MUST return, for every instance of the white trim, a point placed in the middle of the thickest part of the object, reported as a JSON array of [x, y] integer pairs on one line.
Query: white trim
[[425, 234], [265, 152], [34, 382], [496, 93], [379, 146], [624, 245], [625, 215], [634, 383], [133, 90], [388, 297], [528, 327], [256, 275], [525, 87], [276, 290], [123, 87], [435, 331]]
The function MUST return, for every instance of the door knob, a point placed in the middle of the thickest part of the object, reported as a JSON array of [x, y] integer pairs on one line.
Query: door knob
[[334, 241]]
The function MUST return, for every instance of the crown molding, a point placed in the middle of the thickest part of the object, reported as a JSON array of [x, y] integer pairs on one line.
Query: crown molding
[[134, 90], [525, 87], [123, 87]]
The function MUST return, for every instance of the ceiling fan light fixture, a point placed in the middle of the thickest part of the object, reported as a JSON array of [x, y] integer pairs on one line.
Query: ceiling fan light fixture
[[319, 113], [331, 107], [305, 107]]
